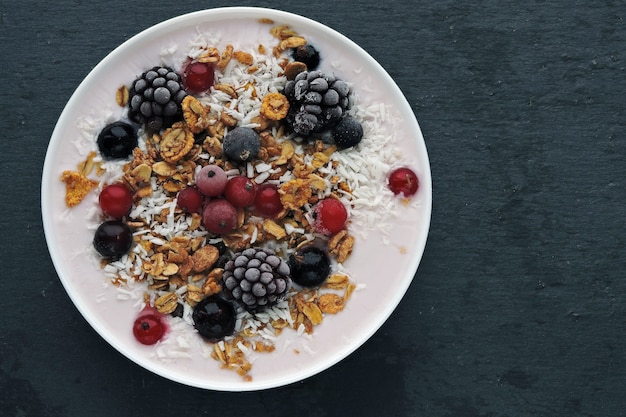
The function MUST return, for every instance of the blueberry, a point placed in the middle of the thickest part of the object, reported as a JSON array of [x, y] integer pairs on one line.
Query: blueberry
[[309, 266], [113, 239], [241, 144], [117, 140], [308, 55], [214, 318], [348, 132]]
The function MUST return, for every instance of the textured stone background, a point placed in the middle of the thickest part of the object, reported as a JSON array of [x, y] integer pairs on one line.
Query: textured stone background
[[519, 305]]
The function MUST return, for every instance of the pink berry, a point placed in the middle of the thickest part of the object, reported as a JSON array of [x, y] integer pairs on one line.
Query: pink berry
[[240, 191], [403, 180], [219, 216], [330, 216], [211, 180], [190, 200]]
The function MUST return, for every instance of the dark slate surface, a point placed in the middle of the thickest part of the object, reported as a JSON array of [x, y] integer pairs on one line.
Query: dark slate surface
[[519, 305]]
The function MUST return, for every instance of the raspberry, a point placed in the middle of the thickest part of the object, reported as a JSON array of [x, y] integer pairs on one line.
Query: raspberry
[[317, 101], [257, 278], [155, 98]]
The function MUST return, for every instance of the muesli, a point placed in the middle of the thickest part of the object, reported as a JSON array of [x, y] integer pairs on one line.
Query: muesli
[[230, 192]]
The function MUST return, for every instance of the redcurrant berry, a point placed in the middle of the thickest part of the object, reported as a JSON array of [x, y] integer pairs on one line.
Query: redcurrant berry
[[116, 200], [403, 180], [267, 201], [240, 191], [330, 216], [190, 200], [149, 327], [219, 216], [198, 77]]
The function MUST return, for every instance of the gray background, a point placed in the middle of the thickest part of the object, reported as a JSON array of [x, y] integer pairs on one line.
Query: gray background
[[518, 307]]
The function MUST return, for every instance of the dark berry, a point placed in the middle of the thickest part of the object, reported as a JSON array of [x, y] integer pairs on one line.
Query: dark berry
[[198, 77], [155, 98], [317, 101], [403, 180], [214, 318], [330, 216], [267, 201], [116, 200], [240, 191], [211, 180], [149, 327], [257, 278], [309, 266], [241, 144], [308, 55], [117, 140], [348, 132], [190, 200], [219, 216], [113, 239]]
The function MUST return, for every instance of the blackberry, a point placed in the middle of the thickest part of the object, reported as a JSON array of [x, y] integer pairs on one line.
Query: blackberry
[[155, 98], [317, 102], [257, 278]]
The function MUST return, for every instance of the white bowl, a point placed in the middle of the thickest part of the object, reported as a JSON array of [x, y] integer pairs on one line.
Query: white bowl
[[383, 266]]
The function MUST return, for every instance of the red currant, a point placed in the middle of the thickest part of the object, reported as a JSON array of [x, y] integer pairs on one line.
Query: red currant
[[267, 201], [198, 77], [116, 200], [219, 216], [190, 200], [403, 180], [330, 216], [211, 180], [149, 327], [240, 191]]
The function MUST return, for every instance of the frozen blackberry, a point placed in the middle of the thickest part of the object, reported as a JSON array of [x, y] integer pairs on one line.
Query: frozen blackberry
[[257, 278], [317, 101], [155, 98], [241, 144], [308, 55]]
